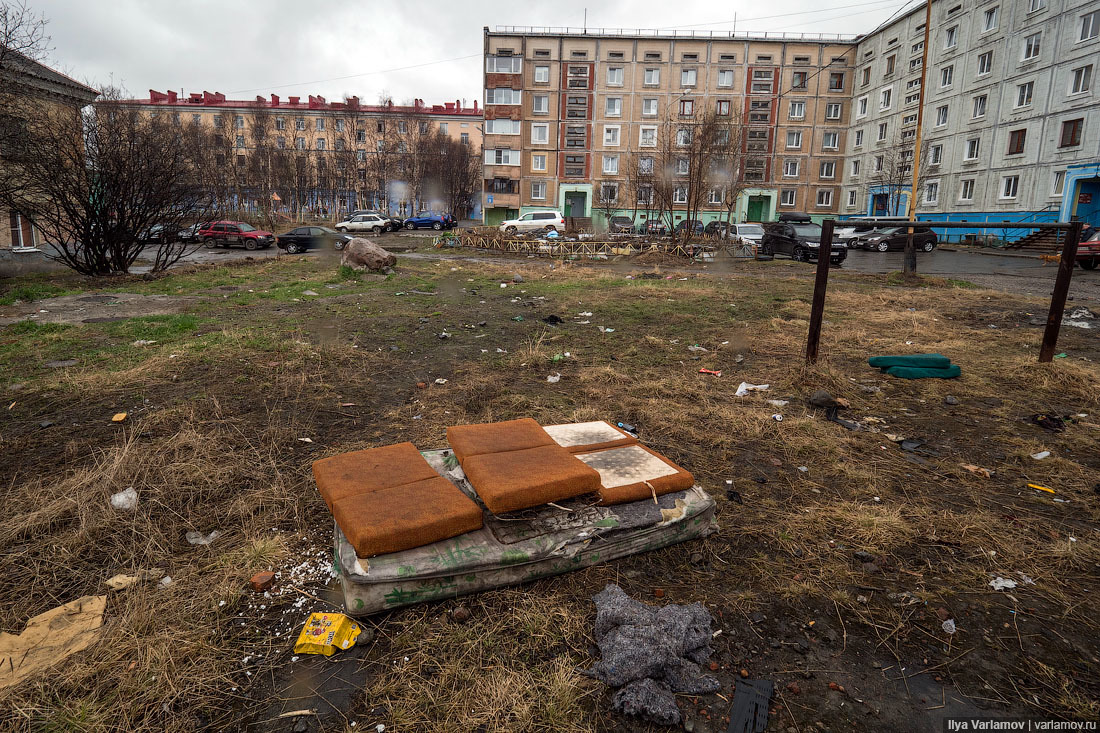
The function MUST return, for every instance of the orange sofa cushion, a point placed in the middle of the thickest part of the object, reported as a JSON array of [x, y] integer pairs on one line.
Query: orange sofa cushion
[[369, 470], [403, 517], [498, 437], [586, 437], [521, 479], [624, 472]]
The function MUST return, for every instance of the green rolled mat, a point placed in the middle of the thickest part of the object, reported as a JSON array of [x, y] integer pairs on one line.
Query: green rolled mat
[[924, 361], [907, 372]]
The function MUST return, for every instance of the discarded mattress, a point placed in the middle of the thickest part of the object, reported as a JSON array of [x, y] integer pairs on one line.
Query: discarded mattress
[[535, 543], [633, 473], [916, 366]]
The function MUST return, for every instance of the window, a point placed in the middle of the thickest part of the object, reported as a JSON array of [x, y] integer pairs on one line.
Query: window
[[973, 145], [687, 77], [611, 164], [339, 125], [865, 76], [683, 166], [918, 47], [1031, 46], [722, 108], [989, 21], [855, 168], [878, 163], [679, 195], [1090, 26], [542, 74], [951, 38], [238, 122], [280, 123], [786, 197], [299, 124], [1023, 93], [1016, 141], [614, 76], [985, 63], [828, 169], [338, 143], [715, 196], [649, 107], [652, 77], [891, 62], [932, 192], [424, 127], [966, 191], [240, 142], [683, 136], [687, 108], [403, 127], [947, 75], [979, 106], [851, 199], [609, 193], [540, 104], [790, 168], [280, 142], [830, 141], [794, 139], [886, 98], [502, 64], [538, 161], [502, 127], [836, 81], [798, 79], [647, 136], [858, 139], [652, 56], [502, 156], [611, 135], [797, 111], [538, 190], [725, 78], [320, 143], [379, 145], [540, 133], [861, 106], [1082, 80], [832, 111], [321, 123], [300, 143], [882, 129], [613, 107], [1009, 186], [442, 126], [935, 154], [824, 197], [502, 96], [464, 137], [1059, 183], [645, 165], [1034, 5], [1071, 133]]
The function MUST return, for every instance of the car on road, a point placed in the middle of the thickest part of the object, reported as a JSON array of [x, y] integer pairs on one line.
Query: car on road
[[620, 225], [747, 233], [307, 238], [393, 222], [430, 220], [851, 233], [534, 221], [798, 239], [653, 227], [192, 233], [159, 233], [1088, 252], [893, 238], [365, 223], [236, 233]]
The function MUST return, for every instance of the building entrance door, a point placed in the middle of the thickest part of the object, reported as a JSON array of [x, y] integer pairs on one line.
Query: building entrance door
[[1088, 201], [880, 204], [757, 209], [574, 203]]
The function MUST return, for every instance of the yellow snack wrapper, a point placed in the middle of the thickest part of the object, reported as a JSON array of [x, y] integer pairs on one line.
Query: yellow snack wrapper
[[326, 633]]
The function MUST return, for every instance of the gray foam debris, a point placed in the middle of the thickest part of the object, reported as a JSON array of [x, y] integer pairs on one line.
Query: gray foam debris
[[651, 653]]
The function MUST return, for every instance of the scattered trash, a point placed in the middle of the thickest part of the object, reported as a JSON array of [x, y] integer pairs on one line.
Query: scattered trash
[[1050, 423], [1041, 455], [1060, 356], [749, 712], [310, 292], [627, 427], [517, 278], [778, 403], [60, 363], [504, 285], [198, 538], [745, 388], [711, 371], [1037, 487], [50, 637], [650, 654], [585, 314], [825, 401], [605, 330], [777, 417], [118, 417], [1079, 318], [306, 440], [126, 500], [1000, 583], [164, 582], [804, 469], [977, 470], [517, 318], [696, 347], [441, 380], [554, 378], [951, 400], [122, 581], [262, 581], [421, 385], [444, 335], [739, 358], [326, 633], [948, 626], [143, 342], [916, 366]]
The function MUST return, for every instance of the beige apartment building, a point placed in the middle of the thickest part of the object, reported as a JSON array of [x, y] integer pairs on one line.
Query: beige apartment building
[[566, 109]]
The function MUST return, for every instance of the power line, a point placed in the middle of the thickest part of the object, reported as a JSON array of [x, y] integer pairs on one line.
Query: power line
[[356, 76]]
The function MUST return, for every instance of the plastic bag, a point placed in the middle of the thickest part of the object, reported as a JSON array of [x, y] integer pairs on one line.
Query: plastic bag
[[326, 633]]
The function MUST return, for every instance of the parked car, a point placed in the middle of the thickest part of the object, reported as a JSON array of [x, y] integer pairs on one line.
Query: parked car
[[364, 223], [889, 238], [230, 233], [192, 233], [306, 238], [800, 240], [1088, 252], [430, 220], [534, 221], [156, 233], [696, 226], [653, 227], [620, 225], [852, 233], [746, 233], [393, 223]]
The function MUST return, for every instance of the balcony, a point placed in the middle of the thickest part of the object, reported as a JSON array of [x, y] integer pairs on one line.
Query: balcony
[[501, 186]]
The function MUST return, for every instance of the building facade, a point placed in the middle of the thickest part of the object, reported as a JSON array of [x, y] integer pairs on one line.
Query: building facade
[[1011, 120], [566, 110]]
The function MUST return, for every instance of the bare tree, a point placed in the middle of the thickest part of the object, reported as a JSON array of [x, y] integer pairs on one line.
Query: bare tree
[[22, 35], [95, 181], [457, 173], [607, 199]]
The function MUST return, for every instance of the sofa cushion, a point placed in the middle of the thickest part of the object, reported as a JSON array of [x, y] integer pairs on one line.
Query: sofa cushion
[[585, 437], [625, 471], [370, 470], [404, 517], [497, 437], [521, 479]]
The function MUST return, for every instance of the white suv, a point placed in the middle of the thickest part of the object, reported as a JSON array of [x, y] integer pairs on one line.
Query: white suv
[[534, 221], [363, 223]]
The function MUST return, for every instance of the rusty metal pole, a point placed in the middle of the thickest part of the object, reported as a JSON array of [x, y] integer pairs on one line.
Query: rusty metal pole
[[1061, 290], [817, 310]]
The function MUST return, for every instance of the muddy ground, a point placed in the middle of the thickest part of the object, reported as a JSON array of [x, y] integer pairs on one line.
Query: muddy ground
[[833, 581]]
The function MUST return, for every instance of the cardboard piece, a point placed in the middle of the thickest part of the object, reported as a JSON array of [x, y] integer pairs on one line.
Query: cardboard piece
[[49, 638]]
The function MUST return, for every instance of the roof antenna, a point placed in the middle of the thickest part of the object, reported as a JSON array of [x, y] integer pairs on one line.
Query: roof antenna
[[586, 20]]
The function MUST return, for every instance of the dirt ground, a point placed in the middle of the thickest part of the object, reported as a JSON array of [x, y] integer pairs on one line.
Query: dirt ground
[[838, 558]]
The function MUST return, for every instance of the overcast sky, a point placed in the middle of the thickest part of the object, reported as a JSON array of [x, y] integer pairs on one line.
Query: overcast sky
[[416, 48]]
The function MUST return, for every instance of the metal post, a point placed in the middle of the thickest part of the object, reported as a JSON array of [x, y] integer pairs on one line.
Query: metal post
[[1061, 290], [909, 267], [824, 254]]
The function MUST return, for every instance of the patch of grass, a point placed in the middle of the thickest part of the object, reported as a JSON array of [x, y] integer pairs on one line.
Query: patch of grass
[[31, 290], [36, 328], [925, 281]]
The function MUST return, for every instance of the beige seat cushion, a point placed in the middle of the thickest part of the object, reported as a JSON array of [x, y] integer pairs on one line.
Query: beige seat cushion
[[625, 471], [585, 437]]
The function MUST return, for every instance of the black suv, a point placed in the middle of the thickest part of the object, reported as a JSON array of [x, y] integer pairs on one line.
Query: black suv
[[799, 239], [889, 238]]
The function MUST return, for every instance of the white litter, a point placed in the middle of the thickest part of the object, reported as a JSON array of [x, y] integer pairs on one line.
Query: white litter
[[165, 581], [126, 500], [585, 314], [198, 538], [554, 378], [441, 380], [949, 626], [309, 292], [306, 440], [605, 330], [696, 348], [778, 403], [777, 417], [504, 285], [1041, 455], [745, 388], [143, 342], [1000, 583], [803, 469]]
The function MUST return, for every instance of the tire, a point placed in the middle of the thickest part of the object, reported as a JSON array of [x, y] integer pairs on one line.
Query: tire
[[339, 246], [250, 244], [510, 231], [1088, 264], [882, 246], [210, 243], [292, 249], [342, 230], [853, 243], [800, 255], [928, 246], [410, 226], [437, 226], [376, 230], [766, 249]]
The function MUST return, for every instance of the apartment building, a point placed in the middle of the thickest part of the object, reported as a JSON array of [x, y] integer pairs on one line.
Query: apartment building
[[348, 143], [567, 109], [1011, 122]]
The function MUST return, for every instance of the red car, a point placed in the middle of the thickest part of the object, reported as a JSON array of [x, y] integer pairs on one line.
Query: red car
[[1088, 252], [230, 233]]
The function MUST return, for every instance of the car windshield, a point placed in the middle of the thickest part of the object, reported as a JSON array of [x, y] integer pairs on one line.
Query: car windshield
[[246, 227], [888, 230], [750, 229], [807, 230]]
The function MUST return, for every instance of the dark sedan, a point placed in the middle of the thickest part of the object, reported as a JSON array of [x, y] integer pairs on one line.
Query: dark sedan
[[653, 227], [620, 225], [893, 238], [306, 238]]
